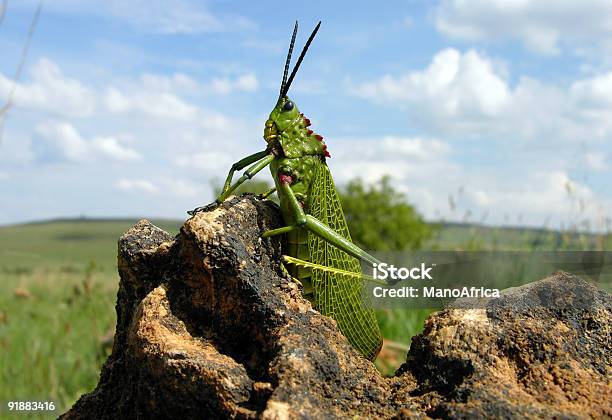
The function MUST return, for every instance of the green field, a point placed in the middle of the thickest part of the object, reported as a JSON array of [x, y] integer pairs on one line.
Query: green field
[[59, 284], [57, 307]]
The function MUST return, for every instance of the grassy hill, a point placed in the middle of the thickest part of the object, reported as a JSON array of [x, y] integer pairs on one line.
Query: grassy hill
[[65, 244]]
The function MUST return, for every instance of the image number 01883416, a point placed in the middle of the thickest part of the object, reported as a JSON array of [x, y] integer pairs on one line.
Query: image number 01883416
[[319, 252]]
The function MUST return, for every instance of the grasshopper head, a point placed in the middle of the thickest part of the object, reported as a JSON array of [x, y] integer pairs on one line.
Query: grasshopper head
[[284, 115]]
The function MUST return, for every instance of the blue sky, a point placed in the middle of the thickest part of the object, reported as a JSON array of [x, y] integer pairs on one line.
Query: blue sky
[[491, 111]]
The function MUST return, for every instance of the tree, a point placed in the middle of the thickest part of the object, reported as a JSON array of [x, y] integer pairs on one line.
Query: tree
[[380, 218]]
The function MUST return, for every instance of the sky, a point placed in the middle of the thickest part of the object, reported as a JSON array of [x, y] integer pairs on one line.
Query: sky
[[488, 111]]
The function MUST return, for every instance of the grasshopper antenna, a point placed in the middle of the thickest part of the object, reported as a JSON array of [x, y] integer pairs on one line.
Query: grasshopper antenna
[[295, 28], [286, 85]]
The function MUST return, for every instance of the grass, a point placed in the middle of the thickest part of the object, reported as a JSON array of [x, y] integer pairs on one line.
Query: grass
[[57, 308], [59, 283], [52, 333], [397, 327]]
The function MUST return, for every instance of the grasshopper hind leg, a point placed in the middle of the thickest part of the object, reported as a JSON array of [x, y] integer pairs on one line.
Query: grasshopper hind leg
[[304, 283], [288, 274]]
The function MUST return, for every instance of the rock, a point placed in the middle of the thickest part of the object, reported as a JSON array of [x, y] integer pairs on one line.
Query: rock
[[209, 327], [541, 350]]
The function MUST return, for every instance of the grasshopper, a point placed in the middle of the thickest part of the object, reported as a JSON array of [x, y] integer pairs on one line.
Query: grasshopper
[[319, 251]]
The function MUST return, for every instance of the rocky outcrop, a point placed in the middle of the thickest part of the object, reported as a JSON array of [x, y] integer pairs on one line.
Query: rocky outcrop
[[542, 350], [208, 326]]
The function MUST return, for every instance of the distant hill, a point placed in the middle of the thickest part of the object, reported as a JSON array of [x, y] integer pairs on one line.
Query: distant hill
[[81, 242], [453, 235], [64, 243]]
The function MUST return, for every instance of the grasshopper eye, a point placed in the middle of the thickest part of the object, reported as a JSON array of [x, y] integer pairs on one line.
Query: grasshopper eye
[[288, 106]]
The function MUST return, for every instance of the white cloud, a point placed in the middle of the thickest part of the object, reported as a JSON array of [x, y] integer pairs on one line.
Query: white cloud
[[544, 26], [51, 91], [111, 148], [543, 193], [214, 145], [183, 188], [429, 172], [177, 82], [154, 104], [596, 161], [453, 85], [209, 160], [224, 86], [66, 141], [137, 185], [466, 94], [174, 187], [116, 101], [160, 96], [594, 92], [466, 100], [415, 148], [407, 160], [63, 142], [541, 196]]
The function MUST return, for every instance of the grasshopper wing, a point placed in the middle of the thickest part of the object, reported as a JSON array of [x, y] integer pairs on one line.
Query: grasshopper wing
[[338, 295]]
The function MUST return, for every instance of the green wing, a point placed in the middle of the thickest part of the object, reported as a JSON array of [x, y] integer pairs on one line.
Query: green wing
[[336, 295]]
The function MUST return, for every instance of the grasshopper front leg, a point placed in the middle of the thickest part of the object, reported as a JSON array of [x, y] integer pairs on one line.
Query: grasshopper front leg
[[268, 193], [318, 228], [261, 159]]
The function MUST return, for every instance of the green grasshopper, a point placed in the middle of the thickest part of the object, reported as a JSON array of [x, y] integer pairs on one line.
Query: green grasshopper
[[319, 250]]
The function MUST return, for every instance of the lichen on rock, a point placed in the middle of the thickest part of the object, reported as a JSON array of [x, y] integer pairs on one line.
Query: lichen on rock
[[209, 327]]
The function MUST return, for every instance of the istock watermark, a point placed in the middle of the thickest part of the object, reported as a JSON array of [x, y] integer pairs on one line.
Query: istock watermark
[[435, 292], [394, 274], [420, 279], [386, 271]]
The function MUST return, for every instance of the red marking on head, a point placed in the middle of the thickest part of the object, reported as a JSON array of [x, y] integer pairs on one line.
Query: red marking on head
[[327, 154], [308, 132], [285, 179], [306, 122], [318, 137]]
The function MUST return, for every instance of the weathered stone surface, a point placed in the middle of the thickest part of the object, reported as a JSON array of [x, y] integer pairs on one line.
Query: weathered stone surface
[[209, 327], [541, 350]]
